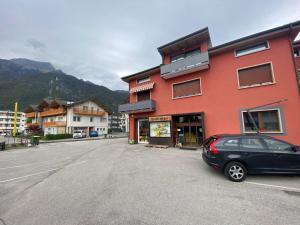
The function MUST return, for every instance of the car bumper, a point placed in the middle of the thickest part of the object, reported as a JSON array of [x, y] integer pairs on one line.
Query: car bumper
[[209, 162]]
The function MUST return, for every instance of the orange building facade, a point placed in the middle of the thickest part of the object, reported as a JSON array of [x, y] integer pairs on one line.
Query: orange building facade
[[244, 86]]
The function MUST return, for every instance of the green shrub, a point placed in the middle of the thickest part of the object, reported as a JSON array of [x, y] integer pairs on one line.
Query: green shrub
[[57, 136]]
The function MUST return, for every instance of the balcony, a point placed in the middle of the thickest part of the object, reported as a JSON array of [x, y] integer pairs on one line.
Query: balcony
[[88, 112], [143, 106], [30, 115], [54, 124], [188, 65], [53, 112]]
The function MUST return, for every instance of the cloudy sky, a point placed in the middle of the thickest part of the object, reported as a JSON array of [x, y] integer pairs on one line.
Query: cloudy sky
[[101, 40]]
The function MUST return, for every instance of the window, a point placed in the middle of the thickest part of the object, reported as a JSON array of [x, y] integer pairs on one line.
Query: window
[[143, 80], [267, 121], [251, 49], [91, 119], [255, 76], [76, 118], [231, 143], [143, 96], [85, 107], [102, 119], [251, 143], [297, 53], [276, 145], [185, 55], [186, 89]]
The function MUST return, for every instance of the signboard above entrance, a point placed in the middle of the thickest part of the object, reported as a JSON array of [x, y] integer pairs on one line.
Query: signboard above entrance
[[160, 118]]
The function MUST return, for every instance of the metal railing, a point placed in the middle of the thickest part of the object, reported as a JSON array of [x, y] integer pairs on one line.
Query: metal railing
[[143, 106], [189, 63]]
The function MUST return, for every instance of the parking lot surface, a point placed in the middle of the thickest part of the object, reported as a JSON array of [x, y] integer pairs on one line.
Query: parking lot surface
[[111, 182]]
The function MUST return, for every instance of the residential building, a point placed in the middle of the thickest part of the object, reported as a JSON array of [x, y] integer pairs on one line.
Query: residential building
[[200, 90], [7, 122], [118, 122], [60, 117], [87, 115], [296, 46]]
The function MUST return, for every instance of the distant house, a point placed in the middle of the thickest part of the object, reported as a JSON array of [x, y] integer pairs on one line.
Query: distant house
[[87, 115], [60, 116]]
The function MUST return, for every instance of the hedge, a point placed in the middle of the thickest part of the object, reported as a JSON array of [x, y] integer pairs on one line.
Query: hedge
[[57, 136]]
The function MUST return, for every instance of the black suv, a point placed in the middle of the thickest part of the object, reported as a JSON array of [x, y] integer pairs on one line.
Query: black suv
[[239, 155]]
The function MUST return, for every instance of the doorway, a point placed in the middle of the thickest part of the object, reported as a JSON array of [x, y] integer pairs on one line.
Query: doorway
[[143, 131], [189, 130]]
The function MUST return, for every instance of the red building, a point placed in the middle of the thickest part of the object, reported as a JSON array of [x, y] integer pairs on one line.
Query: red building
[[200, 90]]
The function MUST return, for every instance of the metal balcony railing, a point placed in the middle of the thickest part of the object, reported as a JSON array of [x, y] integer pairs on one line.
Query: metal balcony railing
[[143, 106], [186, 65]]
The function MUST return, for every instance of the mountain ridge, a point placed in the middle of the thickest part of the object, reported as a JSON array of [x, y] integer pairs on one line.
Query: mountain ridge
[[30, 84]]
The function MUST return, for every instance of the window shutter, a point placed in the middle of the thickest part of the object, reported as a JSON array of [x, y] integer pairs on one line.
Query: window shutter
[[255, 75], [186, 89]]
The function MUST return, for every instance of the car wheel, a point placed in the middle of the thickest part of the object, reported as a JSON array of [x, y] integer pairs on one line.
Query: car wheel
[[235, 171]]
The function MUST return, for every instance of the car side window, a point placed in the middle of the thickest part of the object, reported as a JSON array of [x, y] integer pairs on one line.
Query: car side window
[[252, 143], [276, 145], [231, 143]]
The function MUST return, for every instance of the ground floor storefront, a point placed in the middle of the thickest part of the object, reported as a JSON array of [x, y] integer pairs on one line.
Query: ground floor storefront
[[54, 130], [173, 130], [88, 129]]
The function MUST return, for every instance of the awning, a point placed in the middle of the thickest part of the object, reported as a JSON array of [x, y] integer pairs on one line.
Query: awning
[[140, 88]]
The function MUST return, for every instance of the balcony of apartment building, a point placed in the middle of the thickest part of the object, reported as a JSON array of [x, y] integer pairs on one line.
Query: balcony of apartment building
[[143, 103], [54, 124], [185, 55], [88, 112], [53, 112], [31, 115], [185, 63]]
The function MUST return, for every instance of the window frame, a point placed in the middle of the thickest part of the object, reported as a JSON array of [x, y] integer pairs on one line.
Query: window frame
[[187, 96], [263, 132], [136, 96], [249, 46], [144, 80], [256, 85]]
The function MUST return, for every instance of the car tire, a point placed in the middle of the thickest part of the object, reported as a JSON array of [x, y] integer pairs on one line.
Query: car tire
[[235, 171]]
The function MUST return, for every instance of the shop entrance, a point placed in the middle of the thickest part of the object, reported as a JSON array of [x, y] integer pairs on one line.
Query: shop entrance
[[189, 129], [143, 130]]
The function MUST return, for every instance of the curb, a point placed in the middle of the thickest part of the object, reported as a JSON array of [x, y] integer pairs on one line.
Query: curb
[[74, 140]]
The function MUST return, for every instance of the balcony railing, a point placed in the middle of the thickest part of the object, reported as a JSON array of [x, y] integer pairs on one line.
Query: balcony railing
[[53, 112], [143, 106], [190, 64], [54, 124], [30, 115], [88, 112]]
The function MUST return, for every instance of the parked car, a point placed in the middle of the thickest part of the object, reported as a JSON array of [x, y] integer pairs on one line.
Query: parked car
[[93, 134], [239, 155], [79, 134]]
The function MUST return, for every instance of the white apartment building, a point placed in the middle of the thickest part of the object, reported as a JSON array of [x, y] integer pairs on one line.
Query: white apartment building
[[7, 122], [118, 122], [87, 115]]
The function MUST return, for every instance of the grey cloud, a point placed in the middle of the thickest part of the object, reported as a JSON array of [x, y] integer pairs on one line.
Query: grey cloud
[[101, 40], [31, 42]]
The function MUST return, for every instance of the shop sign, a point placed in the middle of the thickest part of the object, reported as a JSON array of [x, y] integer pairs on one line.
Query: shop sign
[[160, 118]]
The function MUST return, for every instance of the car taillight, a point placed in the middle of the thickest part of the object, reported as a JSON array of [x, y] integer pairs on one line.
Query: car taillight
[[213, 149]]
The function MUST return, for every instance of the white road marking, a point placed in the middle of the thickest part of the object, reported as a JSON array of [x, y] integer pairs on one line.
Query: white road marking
[[29, 175], [28, 164], [274, 186], [77, 163]]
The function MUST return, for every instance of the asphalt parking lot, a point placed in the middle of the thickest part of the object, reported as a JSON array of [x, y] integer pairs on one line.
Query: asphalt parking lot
[[111, 182]]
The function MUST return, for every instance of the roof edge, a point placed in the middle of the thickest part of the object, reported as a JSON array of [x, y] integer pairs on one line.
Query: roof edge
[[141, 73]]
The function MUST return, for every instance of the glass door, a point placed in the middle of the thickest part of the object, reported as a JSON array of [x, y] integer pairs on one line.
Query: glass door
[[143, 130]]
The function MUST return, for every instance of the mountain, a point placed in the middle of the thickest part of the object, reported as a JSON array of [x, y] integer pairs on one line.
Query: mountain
[[28, 82]]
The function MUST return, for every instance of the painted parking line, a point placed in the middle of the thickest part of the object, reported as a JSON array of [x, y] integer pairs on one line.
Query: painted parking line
[[29, 175], [274, 186], [29, 164]]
